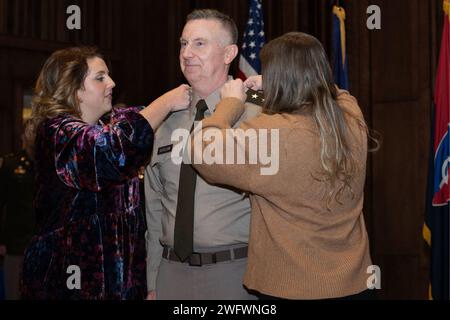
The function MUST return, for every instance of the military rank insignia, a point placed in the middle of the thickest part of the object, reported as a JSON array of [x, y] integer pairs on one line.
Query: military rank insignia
[[255, 97]]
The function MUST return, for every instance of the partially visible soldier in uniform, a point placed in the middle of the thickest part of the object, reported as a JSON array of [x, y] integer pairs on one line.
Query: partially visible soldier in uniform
[[197, 238], [16, 215]]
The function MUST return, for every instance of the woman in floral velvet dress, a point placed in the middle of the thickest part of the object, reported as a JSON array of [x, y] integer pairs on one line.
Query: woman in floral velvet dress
[[90, 241]]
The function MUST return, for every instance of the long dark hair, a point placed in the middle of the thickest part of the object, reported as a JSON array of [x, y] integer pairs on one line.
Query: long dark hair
[[297, 78]]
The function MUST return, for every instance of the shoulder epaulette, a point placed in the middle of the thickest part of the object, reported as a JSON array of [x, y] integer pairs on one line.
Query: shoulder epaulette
[[255, 97]]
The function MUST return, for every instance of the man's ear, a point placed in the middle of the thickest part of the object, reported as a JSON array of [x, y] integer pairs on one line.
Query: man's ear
[[231, 52]]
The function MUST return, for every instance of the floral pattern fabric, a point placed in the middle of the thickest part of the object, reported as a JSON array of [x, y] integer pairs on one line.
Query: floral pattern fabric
[[88, 213]]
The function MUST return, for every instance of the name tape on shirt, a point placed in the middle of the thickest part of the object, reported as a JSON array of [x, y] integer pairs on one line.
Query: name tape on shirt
[[165, 149]]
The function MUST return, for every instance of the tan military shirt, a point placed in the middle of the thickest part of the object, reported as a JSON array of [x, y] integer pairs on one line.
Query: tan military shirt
[[222, 215]]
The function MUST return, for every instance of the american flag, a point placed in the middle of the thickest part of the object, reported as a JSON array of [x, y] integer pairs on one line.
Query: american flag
[[252, 43]]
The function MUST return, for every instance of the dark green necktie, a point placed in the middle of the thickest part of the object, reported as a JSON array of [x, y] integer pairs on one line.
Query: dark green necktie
[[184, 219]]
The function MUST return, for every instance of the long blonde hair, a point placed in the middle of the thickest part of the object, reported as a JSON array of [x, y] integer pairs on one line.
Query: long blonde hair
[[298, 79], [56, 88]]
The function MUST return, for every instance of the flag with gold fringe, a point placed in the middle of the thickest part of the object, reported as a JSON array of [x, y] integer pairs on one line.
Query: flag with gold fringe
[[436, 227], [340, 63]]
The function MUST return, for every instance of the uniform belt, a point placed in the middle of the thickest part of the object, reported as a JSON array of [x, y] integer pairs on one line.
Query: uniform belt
[[199, 259]]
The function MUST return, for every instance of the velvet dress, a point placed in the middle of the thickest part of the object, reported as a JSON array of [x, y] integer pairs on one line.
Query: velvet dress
[[90, 242]]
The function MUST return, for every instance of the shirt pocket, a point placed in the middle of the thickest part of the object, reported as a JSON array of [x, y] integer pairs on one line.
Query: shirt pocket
[[166, 162], [166, 170]]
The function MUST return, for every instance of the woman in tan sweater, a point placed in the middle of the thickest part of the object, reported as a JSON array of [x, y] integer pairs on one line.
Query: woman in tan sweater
[[308, 238]]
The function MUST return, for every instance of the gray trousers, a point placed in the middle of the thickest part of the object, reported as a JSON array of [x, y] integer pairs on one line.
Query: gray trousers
[[220, 281], [12, 267]]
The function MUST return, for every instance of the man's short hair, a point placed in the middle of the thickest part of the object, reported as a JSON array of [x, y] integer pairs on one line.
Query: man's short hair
[[212, 14]]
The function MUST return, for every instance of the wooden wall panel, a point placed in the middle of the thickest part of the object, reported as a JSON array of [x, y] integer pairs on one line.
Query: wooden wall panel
[[46, 20], [6, 118], [3, 21], [395, 44], [401, 101], [397, 279], [395, 177]]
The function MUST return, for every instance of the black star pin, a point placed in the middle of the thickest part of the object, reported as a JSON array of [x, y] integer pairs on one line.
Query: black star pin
[[255, 97]]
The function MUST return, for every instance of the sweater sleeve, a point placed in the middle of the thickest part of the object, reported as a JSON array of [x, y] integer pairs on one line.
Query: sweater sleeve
[[90, 157], [223, 155]]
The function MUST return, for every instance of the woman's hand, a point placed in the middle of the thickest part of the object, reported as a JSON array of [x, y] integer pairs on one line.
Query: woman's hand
[[173, 100], [234, 89], [254, 83], [179, 98]]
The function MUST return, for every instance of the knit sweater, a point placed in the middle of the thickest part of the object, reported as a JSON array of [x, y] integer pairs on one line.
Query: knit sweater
[[299, 247]]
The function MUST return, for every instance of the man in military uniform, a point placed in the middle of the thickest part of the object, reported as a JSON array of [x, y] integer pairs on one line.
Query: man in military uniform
[[16, 216], [198, 233]]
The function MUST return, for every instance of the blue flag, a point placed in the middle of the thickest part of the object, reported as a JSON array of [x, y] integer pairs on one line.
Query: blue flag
[[436, 227], [340, 64]]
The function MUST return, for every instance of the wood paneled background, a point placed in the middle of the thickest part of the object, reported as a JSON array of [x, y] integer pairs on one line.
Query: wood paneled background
[[392, 74]]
